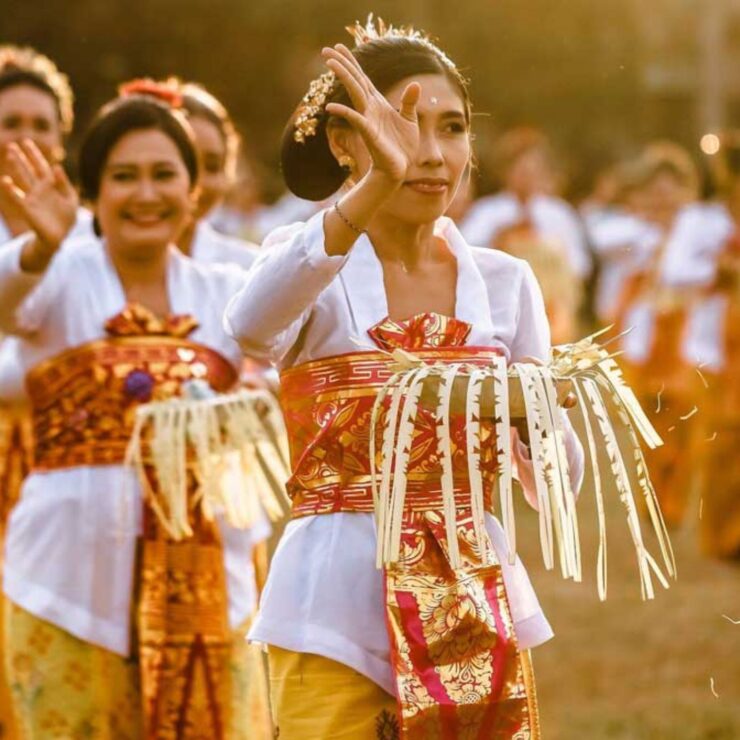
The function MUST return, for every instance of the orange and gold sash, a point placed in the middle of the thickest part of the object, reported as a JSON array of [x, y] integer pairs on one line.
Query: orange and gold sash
[[84, 402], [457, 666]]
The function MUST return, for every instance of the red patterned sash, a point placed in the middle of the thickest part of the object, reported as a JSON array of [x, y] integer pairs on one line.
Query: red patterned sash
[[458, 670]]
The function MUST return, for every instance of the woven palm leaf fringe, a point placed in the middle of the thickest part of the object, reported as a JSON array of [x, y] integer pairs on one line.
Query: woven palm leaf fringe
[[610, 412], [234, 446]]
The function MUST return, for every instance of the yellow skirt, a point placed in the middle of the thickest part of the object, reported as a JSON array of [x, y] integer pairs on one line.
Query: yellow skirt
[[65, 688], [315, 698]]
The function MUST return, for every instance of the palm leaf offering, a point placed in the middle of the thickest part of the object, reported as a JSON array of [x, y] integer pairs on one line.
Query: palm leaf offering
[[231, 450], [611, 425]]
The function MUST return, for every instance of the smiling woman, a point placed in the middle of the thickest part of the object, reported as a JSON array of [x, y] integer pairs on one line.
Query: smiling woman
[[104, 327], [419, 649]]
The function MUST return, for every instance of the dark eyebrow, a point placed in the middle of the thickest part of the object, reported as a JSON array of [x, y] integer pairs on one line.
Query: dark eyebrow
[[121, 166], [448, 115], [453, 114], [133, 166]]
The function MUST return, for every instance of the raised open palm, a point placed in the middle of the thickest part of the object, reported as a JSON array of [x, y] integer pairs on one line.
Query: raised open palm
[[42, 192], [391, 136]]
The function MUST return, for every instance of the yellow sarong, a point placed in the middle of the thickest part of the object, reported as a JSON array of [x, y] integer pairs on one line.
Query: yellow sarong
[[64, 688], [315, 698]]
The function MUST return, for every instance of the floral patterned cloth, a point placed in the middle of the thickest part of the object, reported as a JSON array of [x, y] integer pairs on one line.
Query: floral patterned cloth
[[67, 689]]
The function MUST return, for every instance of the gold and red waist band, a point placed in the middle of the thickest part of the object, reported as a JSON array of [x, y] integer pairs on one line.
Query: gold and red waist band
[[84, 400], [456, 664], [327, 406]]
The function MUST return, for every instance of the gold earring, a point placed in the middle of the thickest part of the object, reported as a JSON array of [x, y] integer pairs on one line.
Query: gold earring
[[346, 162]]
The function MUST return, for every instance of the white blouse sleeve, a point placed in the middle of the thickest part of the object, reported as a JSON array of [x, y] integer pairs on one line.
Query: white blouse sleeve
[[24, 297], [532, 339], [266, 316], [690, 257]]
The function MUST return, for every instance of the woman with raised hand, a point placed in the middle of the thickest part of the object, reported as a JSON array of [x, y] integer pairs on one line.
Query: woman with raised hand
[[388, 130], [105, 327], [36, 103]]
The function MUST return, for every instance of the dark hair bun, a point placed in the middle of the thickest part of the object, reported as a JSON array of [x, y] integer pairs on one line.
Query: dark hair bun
[[309, 168]]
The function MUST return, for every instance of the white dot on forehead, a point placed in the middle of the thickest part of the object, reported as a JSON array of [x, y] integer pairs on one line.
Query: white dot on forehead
[[433, 101]]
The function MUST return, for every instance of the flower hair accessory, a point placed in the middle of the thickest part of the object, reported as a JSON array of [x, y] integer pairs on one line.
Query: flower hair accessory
[[313, 102], [312, 105], [163, 91]]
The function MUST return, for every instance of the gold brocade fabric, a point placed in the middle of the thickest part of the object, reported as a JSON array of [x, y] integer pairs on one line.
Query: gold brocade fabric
[[16, 455], [316, 697], [183, 633], [16, 460], [84, 402], [85, 399], [457, 666]]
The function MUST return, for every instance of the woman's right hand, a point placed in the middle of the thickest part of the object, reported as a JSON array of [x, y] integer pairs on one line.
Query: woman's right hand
[[42, 193], [391, 136]]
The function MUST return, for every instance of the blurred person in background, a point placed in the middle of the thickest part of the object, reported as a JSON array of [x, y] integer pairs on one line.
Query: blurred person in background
[[36, 104], [113, 628], [218, 144], [622, 237], [654, 313], [526, 220], [287, 209], [242, 209], [703, 262], [219, 147], [603, 196]]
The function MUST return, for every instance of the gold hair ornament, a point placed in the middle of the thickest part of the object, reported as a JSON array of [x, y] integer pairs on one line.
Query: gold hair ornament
[[312, 105], [313, 102]]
